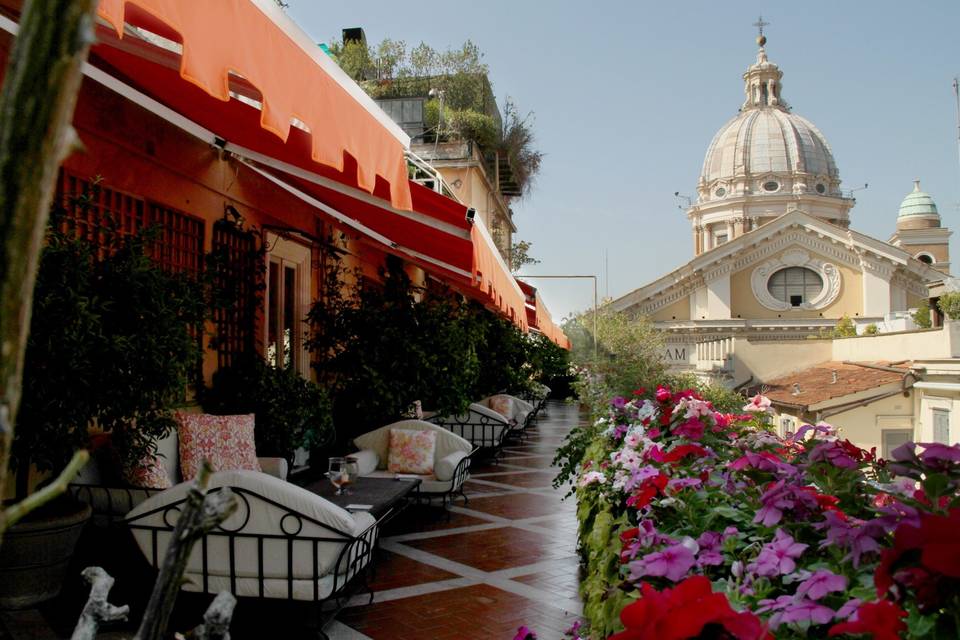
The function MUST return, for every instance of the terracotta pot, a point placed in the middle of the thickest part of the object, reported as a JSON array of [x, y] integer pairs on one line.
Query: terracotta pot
[[36, 552]]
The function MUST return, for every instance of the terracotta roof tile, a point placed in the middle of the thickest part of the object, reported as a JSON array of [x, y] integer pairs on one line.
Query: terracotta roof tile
[[817, 385]]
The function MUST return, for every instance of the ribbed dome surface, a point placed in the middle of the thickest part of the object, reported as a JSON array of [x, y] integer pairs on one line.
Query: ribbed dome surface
[[767, 140], [918, 203]]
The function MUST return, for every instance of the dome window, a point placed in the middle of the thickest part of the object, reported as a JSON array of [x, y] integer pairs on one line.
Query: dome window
[[821, 188], [795, 285], [771, 185], [720, 192]]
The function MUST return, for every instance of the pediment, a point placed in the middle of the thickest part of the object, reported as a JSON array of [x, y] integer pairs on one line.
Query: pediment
[[793, 229]]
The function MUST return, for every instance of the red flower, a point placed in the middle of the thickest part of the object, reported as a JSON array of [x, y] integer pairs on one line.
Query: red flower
[[679, 453], [684, 612], [882, 618], [936, 539], [648, 491]]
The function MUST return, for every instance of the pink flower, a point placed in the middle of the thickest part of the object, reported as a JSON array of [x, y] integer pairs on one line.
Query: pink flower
[[758, 404], [591, 477], [777, 557], [672, 563], [822, 582]]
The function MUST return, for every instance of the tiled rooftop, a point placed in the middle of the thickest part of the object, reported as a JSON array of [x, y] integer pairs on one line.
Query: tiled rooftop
[[817, 384]]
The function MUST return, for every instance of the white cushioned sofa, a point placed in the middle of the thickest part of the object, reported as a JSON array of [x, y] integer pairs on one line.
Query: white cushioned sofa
[[479, 425], [450, 463], [111, 499], [283, 541], [519, 412]]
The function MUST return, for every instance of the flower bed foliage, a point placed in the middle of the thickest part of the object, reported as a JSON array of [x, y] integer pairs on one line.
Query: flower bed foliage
[[701, 524]]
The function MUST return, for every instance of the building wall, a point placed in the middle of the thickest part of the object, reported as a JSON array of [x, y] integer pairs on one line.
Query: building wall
[[850, 301], [864, 426], [679, 310]]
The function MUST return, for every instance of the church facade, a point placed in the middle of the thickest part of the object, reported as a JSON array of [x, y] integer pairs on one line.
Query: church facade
[[775, 257]]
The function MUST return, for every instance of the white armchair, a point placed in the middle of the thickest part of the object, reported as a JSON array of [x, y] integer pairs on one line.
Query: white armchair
[[450, 465], [481, 426], [282, 542]]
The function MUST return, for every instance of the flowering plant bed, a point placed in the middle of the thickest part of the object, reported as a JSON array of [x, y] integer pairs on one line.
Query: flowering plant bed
[[697, 524]]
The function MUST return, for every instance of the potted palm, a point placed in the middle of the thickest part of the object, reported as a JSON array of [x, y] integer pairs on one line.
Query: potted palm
[[110, 345]]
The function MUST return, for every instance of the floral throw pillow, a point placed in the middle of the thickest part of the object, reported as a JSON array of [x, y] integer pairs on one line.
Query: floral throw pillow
[[502, 405], [226, 441], [411, 451], [146, 473]]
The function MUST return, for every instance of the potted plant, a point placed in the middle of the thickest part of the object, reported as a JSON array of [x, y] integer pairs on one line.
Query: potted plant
[[291, 413], [110, 345]]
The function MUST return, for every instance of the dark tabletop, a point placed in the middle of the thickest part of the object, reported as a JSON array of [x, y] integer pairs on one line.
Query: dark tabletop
[[382, 493]]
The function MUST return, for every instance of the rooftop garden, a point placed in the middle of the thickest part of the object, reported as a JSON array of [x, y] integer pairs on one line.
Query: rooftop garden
[[459, 101]]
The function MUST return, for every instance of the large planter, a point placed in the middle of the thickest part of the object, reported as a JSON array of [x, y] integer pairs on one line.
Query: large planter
[[36, 552]]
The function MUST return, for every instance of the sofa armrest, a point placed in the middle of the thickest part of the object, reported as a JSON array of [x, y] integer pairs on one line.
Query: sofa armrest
[[446, 466], [367, 461], [276, 467]]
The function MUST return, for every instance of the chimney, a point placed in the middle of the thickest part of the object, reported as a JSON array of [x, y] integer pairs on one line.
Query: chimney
[[354, 34], [834, 376], [796, 388]]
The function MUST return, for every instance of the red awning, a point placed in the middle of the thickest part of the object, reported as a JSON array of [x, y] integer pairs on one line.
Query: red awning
[[539, 317], [432, 231], [293, 80]]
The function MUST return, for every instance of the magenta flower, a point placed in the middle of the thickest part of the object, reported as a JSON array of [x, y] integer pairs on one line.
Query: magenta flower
[[777, 557], [832, 452], [939, 456], [780, 497], [672, 563], [710, 549], [692, 428], [848, 609], [822, 582], [856, 536], [524, 633], [802, 610]]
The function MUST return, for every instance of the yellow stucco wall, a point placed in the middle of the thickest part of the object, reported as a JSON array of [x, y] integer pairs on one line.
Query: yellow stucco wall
[[850, 301], [862, 426], [679, 310]]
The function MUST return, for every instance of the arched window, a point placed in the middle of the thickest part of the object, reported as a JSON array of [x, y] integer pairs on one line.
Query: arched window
[[925, 257], [795, 285]]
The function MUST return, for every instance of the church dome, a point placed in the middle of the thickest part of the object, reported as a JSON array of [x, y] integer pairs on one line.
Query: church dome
[[766, 149], [918, 210]]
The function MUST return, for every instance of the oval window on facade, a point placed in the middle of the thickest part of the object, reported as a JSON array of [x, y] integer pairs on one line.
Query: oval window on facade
[[720, 192], [771, 185], [821, 188], [795, 285]]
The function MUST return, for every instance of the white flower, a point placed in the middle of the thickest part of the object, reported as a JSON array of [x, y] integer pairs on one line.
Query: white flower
[[592, 477], [758, 404]]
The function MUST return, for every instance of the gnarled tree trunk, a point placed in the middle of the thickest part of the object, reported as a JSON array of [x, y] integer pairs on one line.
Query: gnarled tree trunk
[[36, 106]]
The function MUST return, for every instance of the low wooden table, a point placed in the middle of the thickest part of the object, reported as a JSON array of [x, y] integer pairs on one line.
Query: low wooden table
[[384, 494]]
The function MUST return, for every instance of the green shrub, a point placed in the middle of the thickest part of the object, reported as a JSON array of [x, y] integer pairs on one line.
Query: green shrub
[[921, 317], [110, 342], [871, 330], [949, 304], [290, 411]]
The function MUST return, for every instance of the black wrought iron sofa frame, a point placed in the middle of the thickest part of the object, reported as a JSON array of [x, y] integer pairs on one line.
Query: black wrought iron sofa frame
[[492, 431], [349, 573]]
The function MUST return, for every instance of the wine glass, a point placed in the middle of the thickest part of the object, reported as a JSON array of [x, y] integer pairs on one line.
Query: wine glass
[[339, 474]]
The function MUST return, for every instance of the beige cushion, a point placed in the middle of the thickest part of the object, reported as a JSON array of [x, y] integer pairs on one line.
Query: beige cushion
[[367, 461], [255, 515], [378, 440], [448, 464]]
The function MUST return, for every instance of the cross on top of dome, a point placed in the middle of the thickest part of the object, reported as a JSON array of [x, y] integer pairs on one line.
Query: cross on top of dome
[[760, 24]]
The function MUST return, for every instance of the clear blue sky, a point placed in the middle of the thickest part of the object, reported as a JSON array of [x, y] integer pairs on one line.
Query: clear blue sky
[[627, 96]]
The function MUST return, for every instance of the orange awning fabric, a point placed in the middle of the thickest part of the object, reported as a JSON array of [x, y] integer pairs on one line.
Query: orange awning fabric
[[547, 326], [494, 278], [539, 316], [237, 37]]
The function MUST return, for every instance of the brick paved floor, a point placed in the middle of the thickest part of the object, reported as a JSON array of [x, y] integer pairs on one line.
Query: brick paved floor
[[506, 559]]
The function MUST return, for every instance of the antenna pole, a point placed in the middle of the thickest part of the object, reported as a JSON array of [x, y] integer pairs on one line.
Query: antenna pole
[[956, 93]]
